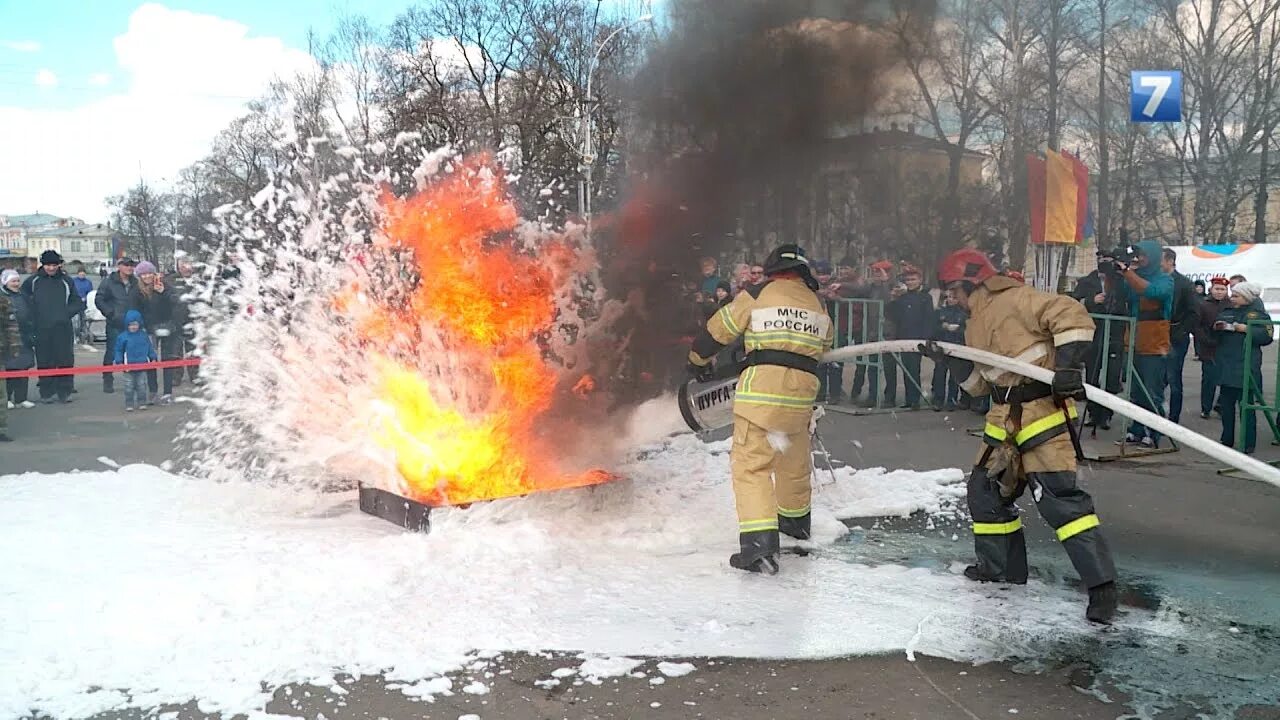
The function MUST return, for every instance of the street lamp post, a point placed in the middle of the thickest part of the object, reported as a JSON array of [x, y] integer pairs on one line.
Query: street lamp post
[[584, 117]]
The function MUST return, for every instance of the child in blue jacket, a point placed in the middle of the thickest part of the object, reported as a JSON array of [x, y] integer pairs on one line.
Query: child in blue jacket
[[133, 347]]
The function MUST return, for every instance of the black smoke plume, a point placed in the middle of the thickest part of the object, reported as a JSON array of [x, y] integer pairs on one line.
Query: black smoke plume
[[738, 102]]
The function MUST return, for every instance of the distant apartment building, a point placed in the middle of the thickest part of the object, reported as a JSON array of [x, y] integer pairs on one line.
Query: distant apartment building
[[24, 237]]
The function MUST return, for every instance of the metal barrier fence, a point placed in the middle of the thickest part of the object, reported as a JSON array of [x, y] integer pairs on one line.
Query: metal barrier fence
[[845, 314], [1253, 399]]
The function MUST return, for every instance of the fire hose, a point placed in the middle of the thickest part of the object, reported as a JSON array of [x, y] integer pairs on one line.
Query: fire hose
[[1254, 467]]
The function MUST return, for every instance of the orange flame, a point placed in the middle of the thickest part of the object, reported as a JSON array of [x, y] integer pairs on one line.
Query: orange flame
[[584, 386], [472, 436]]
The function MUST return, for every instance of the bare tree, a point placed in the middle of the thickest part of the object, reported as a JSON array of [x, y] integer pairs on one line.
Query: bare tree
[[1009, 86], [947, 65], [146, 216], [246, 153], [350, 59]]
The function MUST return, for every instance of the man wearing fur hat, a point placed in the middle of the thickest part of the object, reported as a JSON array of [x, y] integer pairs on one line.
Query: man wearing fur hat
[[54, 305]]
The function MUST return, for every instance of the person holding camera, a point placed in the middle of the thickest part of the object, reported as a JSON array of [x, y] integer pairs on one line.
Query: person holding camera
[[1233, 330], [1104, 293], [1150, 291]]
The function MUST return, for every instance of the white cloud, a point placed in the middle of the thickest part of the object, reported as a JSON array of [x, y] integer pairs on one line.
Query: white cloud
[[46, 78], [100, 79], [185, 76], [23, 46]]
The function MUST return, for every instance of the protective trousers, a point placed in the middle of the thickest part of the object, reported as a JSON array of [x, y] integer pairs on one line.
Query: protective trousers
[[1038, 454], [771, 486]]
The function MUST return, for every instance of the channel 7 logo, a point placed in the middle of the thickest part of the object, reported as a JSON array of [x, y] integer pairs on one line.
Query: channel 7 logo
[[1155, 96]]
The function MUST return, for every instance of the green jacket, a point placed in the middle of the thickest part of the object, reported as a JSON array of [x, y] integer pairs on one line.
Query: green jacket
[[10, 339], [1229, 354]]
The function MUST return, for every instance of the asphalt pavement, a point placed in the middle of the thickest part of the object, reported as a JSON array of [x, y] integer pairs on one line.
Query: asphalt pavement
[[1187, 539]]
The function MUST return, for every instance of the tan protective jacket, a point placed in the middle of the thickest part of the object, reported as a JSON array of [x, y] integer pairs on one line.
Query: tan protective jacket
[[783, 314], [1020, 322]]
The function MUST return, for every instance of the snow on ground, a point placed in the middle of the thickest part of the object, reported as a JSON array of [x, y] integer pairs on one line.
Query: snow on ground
[[157, 588]]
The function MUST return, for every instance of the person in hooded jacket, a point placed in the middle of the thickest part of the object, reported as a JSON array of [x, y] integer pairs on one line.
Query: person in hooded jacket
[[16, 388], [133, 347], [1151, 303], [1236, 327], [54, 305]]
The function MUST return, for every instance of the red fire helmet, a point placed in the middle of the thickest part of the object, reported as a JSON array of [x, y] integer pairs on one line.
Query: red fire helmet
[[966, 264]]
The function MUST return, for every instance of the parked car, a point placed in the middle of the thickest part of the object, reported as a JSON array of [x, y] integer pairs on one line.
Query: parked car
[[97, 323]]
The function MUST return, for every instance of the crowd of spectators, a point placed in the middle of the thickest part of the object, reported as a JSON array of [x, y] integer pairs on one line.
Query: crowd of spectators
[[880, 301], [1169, 315], [44, 316], [1143, 308]]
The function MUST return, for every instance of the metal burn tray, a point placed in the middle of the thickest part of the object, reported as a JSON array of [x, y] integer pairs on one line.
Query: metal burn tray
[[397, 510]]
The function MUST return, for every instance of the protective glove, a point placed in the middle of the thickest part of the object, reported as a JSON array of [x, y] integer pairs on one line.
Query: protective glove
[[701, 373], [1068, 384], [818, 413], [934, 352]]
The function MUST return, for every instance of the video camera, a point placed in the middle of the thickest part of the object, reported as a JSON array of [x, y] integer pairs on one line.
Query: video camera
[[1117, 260]]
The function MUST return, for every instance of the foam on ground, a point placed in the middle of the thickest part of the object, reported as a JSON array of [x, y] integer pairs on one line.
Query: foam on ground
[[139, 587]]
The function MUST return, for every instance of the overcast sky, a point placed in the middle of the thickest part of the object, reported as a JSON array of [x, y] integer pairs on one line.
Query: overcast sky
[[94, 93]]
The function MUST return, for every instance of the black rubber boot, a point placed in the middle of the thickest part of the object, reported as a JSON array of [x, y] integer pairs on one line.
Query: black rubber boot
[[976, 574], [797, 527], [1103, 601], [759, 552], [1002, 557]]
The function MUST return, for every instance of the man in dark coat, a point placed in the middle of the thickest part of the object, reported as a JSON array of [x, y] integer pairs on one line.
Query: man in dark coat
[[1103, 294], [1185, 320], [114, 299], [54, 304], [912, 316]]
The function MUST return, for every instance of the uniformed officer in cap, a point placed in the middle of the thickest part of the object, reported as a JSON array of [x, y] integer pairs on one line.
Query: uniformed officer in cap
[[786, 331]]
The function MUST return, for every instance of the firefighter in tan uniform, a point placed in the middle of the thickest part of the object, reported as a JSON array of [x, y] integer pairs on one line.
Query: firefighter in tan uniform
[[786, 330], [1028, 441]]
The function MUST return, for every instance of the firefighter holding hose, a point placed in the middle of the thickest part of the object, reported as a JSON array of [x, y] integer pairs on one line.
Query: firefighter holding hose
[[1030, 439], [786, 331]]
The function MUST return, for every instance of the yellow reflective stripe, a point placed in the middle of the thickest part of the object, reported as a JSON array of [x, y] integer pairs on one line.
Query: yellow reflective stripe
[[747, 526], [793, 513], [1045, 423], [1077, 526], [727, 318], [996, 432], [785, 336], [1007, 528], [757, 399]]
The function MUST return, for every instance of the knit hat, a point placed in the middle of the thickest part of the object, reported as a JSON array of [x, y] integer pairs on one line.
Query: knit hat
[[8, 275], [145, 268], [1250, 291], [50, 257]]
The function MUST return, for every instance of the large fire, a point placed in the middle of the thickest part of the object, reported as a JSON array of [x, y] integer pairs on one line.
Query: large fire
[[478, 309]]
